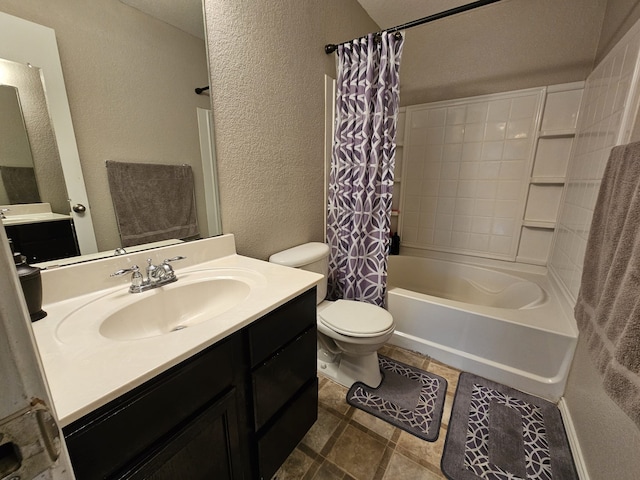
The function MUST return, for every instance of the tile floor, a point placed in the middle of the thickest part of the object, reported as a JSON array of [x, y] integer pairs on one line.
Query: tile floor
[[347, 443]]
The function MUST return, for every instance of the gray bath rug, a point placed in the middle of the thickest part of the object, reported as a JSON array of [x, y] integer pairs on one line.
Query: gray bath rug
[[497, 432], [408, 398]]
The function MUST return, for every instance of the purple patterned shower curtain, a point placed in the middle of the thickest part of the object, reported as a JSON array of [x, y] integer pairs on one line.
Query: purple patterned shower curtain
[[362, 163]]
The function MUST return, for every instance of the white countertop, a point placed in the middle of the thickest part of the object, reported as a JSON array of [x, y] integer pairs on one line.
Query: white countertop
[[89, 370], [34, 218], [30, 213]]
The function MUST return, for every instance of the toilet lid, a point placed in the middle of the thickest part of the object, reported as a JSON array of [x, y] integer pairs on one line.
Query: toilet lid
[[356, 318]]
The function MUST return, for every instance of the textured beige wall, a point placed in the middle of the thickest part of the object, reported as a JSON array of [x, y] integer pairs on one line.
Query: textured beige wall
[[509, 45], [267, 71], [130, 81]]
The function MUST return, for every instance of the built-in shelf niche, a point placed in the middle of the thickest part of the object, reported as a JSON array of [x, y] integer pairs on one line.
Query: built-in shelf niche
[[543, 203], [535, 244], [552, 157], [553, 149]]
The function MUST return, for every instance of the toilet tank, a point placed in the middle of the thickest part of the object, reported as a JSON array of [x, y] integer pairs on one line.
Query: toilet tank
[[313, 257]]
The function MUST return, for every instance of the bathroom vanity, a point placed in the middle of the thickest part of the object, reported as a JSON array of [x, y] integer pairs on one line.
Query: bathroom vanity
[[222, 397]]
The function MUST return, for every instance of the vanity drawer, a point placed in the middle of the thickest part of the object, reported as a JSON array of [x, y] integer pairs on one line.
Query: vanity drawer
[[113, 435], [285, 433], [282, 325], [281, 376]]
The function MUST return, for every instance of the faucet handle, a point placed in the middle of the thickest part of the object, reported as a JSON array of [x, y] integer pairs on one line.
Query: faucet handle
[[179, 257], [133, 269], [136, 277], [168, 269]]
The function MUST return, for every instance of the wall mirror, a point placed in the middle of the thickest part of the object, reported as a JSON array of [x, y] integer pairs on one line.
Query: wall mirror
[[129, 91]]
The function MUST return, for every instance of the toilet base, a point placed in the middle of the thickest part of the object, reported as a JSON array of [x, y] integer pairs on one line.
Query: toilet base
[[346, 370]]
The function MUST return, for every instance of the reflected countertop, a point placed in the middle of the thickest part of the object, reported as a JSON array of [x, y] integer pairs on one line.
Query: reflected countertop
[[33, 218], [30, 213]]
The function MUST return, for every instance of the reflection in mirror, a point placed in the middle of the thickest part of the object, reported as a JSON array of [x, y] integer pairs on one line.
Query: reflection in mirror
[[29, 159], [18, 183], [130, 80]]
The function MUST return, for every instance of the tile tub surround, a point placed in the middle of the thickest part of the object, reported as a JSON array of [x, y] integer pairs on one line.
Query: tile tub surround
[[483, 176], [106, 368], [347, 443], [609, 104], [466, 171]]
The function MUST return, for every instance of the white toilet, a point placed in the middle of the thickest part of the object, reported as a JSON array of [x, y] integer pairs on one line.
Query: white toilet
[[349, 332]]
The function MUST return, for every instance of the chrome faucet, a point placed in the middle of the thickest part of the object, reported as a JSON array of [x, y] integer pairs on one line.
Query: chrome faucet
[[2, 210], [153, 273], [157, 275]]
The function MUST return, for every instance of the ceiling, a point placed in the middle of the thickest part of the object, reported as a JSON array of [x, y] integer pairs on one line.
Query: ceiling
[[187, 14], [183, 14], [390, 14], [509, 45]]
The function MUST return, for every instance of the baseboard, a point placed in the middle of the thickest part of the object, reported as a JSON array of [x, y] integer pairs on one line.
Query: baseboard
[[574, 444]]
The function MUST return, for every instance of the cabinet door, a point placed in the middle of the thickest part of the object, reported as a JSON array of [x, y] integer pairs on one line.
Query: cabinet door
[[205, 448], [115, 435]]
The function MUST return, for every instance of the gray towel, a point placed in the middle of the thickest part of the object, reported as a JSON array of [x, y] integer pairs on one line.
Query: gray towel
[[608, 306], [152, 202], [20, 184]]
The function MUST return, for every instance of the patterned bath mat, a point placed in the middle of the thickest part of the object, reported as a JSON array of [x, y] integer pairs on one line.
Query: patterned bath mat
[[408, 398], [497, 432]]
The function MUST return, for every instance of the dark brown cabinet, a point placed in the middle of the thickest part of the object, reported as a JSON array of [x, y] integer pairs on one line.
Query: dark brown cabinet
[[233, 411], [44, 241]]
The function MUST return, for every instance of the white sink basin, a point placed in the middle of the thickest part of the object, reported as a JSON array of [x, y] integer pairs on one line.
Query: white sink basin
[[195, 298], [167, 310]]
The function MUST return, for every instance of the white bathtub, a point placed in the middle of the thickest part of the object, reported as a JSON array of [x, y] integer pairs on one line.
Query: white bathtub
[[503, 325]]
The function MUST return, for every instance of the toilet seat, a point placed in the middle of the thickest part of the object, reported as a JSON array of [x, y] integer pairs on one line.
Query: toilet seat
[[356, 319]]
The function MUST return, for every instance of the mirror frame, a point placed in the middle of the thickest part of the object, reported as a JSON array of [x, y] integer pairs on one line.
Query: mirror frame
[[32, 44]]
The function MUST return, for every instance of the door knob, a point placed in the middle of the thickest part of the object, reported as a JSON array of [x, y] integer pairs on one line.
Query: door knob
[[79, 208]]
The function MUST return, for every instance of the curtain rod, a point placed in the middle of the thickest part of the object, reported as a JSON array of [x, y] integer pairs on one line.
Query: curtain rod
[[330, 48]]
